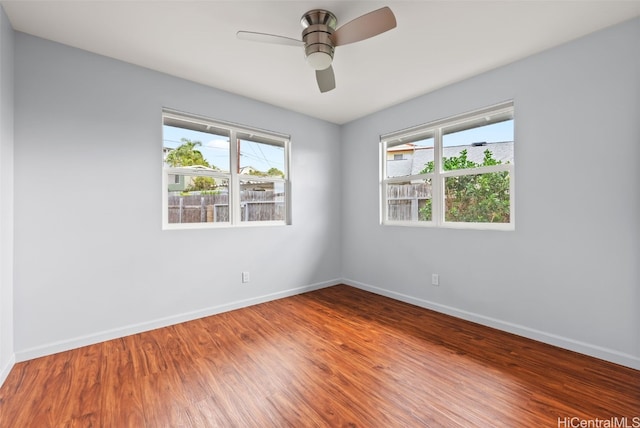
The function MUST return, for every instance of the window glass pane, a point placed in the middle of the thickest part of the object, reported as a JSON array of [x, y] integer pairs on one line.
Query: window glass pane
[[409, 201], [262, 200], [480, 145], [410, 158], [261, 158], [187, 147], [209, 204], [481, 198]]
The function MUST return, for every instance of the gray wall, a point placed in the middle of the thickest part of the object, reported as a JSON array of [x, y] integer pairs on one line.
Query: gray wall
[[568, 274], [6, 196], [91, 260]]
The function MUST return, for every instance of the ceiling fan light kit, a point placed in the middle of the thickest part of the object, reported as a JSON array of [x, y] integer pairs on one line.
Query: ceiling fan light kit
[[320, 38]]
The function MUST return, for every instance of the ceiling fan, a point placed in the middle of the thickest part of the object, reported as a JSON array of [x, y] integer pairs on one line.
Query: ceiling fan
[[320, 38]]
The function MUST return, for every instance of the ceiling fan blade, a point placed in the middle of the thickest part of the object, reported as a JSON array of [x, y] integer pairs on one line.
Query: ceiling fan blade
[[365, 26], [268, 38], [326, 79]]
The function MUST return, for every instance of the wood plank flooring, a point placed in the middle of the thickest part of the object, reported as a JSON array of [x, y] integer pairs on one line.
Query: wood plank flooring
[[337, 357]]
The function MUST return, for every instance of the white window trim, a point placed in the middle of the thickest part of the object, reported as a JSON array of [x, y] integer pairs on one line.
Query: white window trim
[[233, 176], [438, 177]]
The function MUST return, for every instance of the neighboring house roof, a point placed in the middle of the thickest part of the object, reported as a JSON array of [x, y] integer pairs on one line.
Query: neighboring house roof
[[401, 167], [247, 169], [402, 148], [415, 162]]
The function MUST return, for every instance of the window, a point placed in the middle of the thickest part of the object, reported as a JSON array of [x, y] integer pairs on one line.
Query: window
[[208, 181], [456, 172]]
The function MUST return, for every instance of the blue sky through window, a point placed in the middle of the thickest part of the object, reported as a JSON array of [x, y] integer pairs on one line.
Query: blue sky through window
[[215, 149]]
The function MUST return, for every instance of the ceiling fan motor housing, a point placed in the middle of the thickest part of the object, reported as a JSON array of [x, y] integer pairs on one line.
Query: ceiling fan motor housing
[[318, 26]]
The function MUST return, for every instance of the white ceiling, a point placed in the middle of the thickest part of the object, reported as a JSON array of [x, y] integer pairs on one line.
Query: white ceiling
[[435, 44]]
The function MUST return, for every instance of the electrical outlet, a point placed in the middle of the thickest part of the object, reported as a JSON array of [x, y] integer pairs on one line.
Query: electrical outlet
[[435, 279], [245, 277]]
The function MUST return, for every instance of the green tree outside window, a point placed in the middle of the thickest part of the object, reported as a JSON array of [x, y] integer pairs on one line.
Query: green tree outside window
[[479, 198], [186, 154]]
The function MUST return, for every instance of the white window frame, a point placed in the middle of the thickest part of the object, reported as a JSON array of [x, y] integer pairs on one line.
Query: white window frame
[[439, 175], [235, 132]]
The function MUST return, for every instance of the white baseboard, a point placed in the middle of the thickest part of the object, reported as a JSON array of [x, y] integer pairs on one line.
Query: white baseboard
[[552, 339], [65, 345], [540, 336], [6, 369]]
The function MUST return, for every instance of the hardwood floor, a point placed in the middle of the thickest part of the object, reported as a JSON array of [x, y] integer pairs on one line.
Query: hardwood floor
[[334, 357]]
